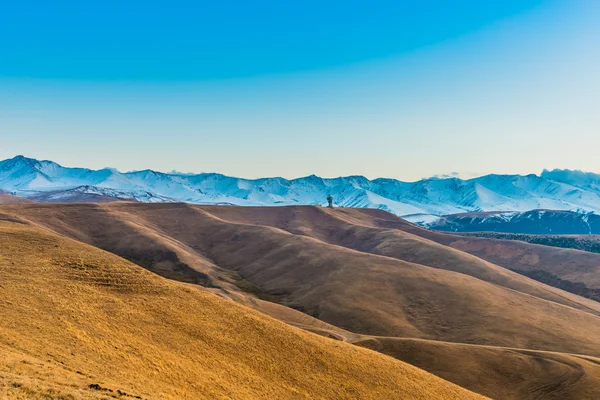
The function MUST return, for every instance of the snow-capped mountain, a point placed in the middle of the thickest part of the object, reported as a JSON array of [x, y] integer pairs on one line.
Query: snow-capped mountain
[[535, 222], [557, 190]]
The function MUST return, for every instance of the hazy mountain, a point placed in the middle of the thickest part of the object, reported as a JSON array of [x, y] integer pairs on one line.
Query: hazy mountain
[[557, 190]]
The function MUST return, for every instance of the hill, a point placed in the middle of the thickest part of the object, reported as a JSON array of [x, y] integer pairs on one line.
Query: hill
[[360, 276], [438, 293], [498, 372], [6, 198], [77, 322], [378, 232], [569, 269]]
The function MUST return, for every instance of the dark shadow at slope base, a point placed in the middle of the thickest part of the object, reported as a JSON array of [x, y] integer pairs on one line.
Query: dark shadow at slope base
[[573, 287]]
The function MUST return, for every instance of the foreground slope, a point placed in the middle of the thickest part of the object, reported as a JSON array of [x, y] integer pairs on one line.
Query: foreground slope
[[77, 322]]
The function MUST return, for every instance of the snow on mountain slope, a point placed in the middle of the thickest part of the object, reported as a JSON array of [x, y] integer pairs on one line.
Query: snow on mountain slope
[[535, 222], [95, 194], [21, 173], [558, 190], [575, 178]]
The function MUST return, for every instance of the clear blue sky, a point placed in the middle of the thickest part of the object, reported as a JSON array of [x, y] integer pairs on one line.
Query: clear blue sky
[[402, 89]]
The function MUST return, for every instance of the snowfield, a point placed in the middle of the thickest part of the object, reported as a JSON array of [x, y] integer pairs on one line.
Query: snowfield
[[421, 201]]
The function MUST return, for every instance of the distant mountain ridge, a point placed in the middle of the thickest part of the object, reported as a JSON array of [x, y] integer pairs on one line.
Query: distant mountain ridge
[[535, 222], [48, 181]]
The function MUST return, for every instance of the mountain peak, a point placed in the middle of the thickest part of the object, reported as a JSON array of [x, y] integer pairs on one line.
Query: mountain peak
[[18, 162], [22, 159]]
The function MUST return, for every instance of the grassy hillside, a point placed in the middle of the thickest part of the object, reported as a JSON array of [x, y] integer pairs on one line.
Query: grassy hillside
[[77, 322], [358, 291], [573, 268], [376, 232], [497, 372], [361, 276]]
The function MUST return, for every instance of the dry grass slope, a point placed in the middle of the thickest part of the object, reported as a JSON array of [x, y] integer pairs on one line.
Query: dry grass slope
[[377, 232], [285, 255], [358, 273], [568, 264], [6, 198], [497, 372], [72, 316]]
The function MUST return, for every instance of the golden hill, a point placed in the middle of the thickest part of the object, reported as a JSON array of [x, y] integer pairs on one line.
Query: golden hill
[[361, 276], [361, 292], [77, 322]]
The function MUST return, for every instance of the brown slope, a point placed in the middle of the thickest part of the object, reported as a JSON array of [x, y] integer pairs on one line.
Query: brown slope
[[357, 291], [569, 265], [6, 198], [376, 232], [77, 322], [104, 228], [497, 372]]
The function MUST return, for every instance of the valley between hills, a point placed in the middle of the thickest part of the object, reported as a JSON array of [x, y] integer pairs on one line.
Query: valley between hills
[[180, 301]]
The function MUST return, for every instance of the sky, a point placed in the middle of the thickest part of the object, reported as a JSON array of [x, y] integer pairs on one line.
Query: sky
[[398, 89]]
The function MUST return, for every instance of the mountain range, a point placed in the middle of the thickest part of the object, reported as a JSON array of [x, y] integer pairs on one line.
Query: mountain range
[[534, 222], [420, 201]]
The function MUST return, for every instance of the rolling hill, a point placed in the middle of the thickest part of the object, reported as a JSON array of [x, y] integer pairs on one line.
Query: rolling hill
[[80, 323], [497, 372], [570, 269], [366, 277], [6, 198]]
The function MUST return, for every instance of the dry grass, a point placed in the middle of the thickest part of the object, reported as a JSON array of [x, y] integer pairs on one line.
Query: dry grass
[[497, 372], [361, 272], [568, 264], [377, 232], [357, 291], [6, 198], [73, 316]]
